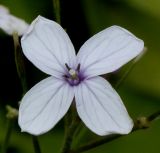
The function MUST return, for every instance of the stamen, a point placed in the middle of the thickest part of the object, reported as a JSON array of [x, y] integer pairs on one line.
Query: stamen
[[65, 76], [78, 67], [68, 68]]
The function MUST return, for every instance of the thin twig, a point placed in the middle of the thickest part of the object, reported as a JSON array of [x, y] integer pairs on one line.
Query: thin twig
[[154, 116], [70, 129], [95, 143], [19, 61], [7, 136], [69, 137], [20, 66], [56, 4], [140, 123], [36, 144]]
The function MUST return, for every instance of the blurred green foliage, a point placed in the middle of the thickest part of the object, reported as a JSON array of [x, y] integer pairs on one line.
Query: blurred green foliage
[[140, 90], [143, 24]]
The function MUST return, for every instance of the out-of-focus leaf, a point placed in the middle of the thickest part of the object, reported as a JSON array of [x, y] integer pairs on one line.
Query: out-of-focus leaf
[[149, 6]]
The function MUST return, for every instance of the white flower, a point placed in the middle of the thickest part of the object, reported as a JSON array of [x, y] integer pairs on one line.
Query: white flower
[[98, 105], [10, 23]]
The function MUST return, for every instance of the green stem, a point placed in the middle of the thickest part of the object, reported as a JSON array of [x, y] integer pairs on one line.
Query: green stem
[[95, 143], [20, 66], [36, 144], [56, 4], [19, 61], [7, 136], [139, 125], [70, 134], [67, 121], [154, 116]]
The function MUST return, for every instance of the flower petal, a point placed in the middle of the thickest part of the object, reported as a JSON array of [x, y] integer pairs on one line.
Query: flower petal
[[3, 10], [108, 50], [48, 47], [10, 23], [44, 105], [101, 108]]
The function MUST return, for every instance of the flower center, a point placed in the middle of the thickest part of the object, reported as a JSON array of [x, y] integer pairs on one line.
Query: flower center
[[73, 74], [73, 77]]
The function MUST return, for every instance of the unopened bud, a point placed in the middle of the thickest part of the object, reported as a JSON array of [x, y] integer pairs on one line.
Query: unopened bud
[[11, 112], [142, 123]]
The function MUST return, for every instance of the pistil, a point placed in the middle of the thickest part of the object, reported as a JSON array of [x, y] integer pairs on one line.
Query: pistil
[[73, 74]]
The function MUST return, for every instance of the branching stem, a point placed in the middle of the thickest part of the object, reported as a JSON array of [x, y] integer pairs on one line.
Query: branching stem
[[140, 123]]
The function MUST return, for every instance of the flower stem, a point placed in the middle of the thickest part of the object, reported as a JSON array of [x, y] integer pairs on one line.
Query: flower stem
[[95, 143], [7, 136], [69, 138], [154, 116], [19, 61], [67, 120], [70, 133], [9, 120], [20, 66], [140, 123], [36, 144], [11, 115], [56, 4]]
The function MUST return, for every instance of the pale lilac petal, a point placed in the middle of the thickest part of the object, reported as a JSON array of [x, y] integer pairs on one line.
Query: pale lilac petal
[[3, 10], [44, 105], [101, 108], [48, 47], [10, 23], [108, 50]]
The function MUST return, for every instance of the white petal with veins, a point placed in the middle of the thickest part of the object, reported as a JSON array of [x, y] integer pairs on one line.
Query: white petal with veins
[[108, 50], [48, 47], [44, 105], [101, 108]]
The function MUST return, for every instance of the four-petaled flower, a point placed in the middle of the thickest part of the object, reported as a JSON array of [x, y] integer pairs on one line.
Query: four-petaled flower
[[98, 105]]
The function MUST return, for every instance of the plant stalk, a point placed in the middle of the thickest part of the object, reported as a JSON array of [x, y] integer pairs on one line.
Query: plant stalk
[[7, 136], [140, 124], [20, 66], [57, 11]]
